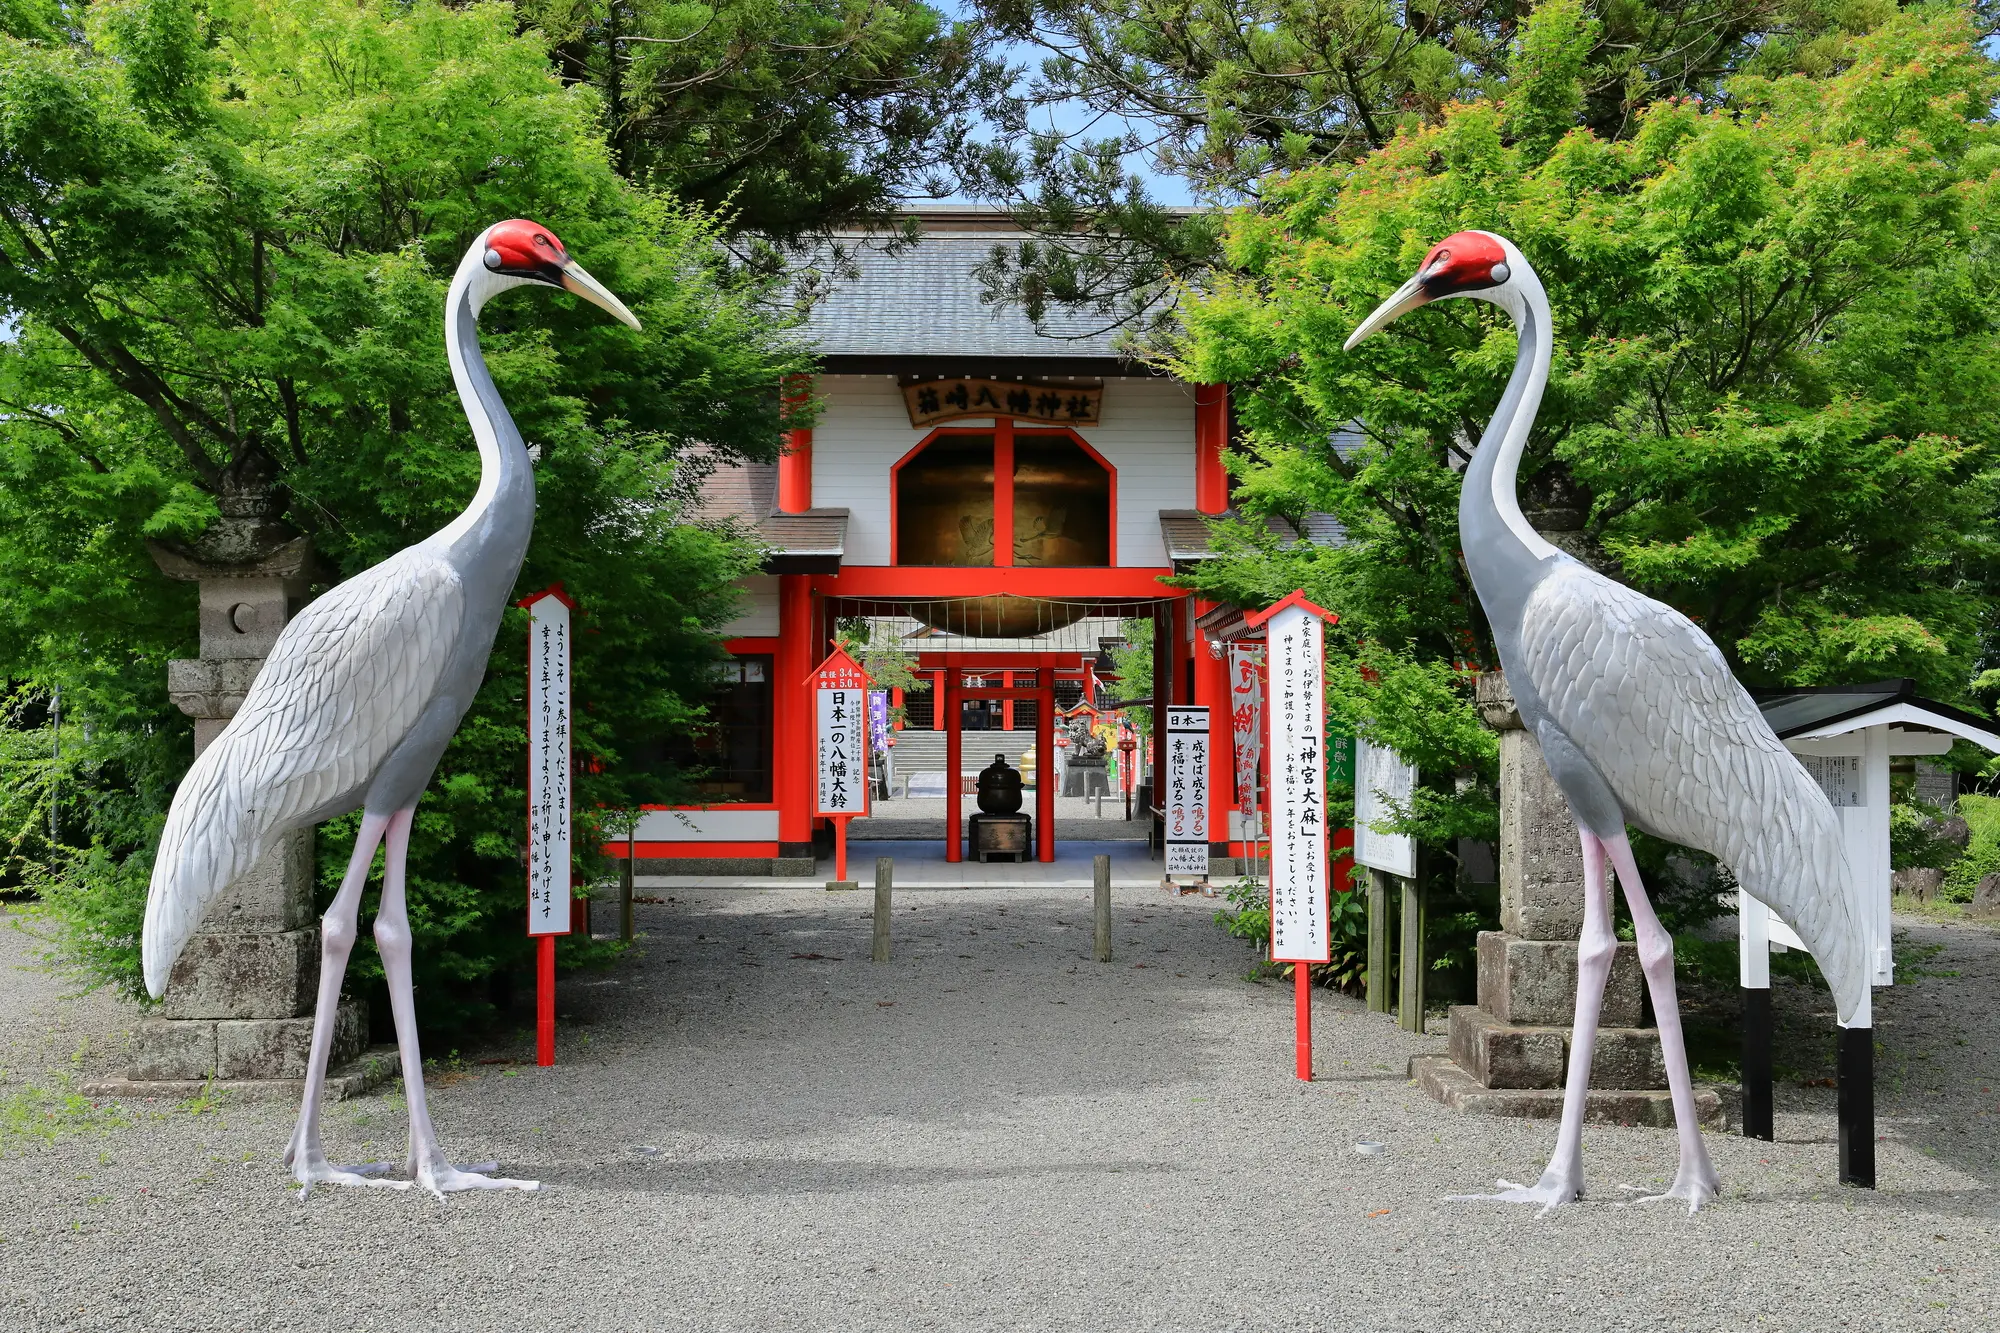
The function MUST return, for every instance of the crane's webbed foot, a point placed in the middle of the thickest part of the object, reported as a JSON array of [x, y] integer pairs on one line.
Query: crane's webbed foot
[[309, 1167], [443, 1178], [1557, 1187], [1693, 1186]]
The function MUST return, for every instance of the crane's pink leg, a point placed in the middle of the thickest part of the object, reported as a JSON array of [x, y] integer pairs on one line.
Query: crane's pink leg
[[1562, 1180], [337, 932], [1695, 1182], [428, 1166]]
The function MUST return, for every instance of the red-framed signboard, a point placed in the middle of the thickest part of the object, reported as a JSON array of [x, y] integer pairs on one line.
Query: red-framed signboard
[[840, 746]]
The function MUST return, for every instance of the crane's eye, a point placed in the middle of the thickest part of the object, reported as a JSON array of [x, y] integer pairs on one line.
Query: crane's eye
[[1501, 272], [493, 259]]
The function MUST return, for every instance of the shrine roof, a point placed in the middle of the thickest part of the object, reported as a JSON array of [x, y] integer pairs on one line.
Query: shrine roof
[[1821, 709], [813, 542], [1190, 537], [922, 299]]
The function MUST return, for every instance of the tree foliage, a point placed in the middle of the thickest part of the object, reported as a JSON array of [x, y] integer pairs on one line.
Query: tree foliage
[[786, 117], [1220, 95], [1774, 367], [225, 236]]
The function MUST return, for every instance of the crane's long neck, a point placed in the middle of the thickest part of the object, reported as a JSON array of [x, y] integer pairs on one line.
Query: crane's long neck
[[1505, 556], [488, 541]]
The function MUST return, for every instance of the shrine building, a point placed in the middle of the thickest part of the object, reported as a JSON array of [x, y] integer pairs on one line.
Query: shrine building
[[999, 501]]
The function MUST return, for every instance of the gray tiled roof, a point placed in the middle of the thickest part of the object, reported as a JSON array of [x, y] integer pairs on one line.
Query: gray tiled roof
[[924, 301]]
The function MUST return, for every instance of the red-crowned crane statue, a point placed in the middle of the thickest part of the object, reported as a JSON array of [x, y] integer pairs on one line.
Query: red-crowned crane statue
[[1641, 723], [354, 707]]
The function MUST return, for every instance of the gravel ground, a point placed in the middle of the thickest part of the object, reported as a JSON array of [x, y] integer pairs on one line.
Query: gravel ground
[[753, 1127]]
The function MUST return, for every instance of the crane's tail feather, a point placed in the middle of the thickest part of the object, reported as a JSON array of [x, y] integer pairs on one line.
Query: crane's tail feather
[[199, 858], [1806, 879]]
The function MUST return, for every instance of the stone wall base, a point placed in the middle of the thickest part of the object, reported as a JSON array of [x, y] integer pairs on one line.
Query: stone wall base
[[200, 1049], [369, 1070]]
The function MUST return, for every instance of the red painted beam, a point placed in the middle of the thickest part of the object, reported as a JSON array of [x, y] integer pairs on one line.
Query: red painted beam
[[1211, 438], [893, 582]]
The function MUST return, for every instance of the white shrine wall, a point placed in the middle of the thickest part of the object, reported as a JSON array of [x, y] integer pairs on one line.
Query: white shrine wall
[[756, 609], [1146, 433]]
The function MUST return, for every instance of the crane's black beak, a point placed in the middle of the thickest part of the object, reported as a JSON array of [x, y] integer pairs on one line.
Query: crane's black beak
[[1407, 298], [574, 279]]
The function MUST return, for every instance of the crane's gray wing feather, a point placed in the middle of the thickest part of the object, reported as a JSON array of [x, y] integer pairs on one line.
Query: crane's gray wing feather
[[345, 682], [1648, 699]]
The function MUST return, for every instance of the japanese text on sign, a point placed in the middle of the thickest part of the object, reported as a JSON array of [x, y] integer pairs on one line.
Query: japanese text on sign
[[548, 767], [1296, 738], [1056, 404], [843, 752], [1838, 775], [1186, 795]]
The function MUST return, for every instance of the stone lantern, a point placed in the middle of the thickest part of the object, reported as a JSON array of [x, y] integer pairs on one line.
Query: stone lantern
[[238, 1006]]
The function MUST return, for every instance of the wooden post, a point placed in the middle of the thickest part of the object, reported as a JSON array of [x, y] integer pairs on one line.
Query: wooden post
[[1302, 1020], [885, 871], [625, 931], [1100, 889], [1378, 942], [1753, 974], [954, 831], [1410, 1003], [545, 1000]]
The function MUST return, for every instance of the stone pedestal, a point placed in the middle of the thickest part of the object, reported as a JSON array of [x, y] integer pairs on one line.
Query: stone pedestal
[[238, 1007], [1510, 1052], [1001, 837]]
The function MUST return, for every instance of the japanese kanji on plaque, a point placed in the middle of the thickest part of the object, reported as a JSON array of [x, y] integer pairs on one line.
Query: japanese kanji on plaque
[[548, 764], [1246, 728], [1186, 802], [840, 695], [1296, 742]]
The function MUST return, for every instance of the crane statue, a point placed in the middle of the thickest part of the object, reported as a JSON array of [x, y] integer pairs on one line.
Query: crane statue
[[354, 707], [1640, 722]]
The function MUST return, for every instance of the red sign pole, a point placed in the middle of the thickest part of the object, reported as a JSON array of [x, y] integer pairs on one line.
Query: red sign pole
[[840, 847], [545, 1001], [1302, 1019]]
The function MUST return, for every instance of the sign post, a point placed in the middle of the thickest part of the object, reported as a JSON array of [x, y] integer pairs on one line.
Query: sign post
[[549, 891], [1295, 632], [840, 748], [1186, 802]]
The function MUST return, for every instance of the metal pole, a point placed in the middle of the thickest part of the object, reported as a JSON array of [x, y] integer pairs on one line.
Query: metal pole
[[1410, 1004], [1378, 942], [885, 873], [1100, 889]]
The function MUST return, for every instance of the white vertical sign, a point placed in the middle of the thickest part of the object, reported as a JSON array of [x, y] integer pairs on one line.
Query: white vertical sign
[[1382, 782], [843, 751], [1186, 802], [548, 765], [1297, 743]]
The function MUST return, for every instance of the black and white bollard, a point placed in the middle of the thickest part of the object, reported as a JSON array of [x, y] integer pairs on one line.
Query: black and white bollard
[[1753, 972], [1854, 1069]]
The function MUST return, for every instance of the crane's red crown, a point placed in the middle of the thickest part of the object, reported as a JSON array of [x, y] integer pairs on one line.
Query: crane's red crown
[[1466, 261], [523, 249]]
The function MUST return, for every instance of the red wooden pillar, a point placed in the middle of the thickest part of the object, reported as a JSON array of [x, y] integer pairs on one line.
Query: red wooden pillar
[[1045, 766], [1163, 691], [795, 463], [1211, 690], [791, 765], [937, 701], [1007, 705], [1211, 438], [954, 833]]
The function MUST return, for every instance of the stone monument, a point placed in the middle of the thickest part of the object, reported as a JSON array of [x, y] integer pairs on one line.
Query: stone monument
[[1509, 1052], [1000, 829], [238, 1008], [1084, 769]]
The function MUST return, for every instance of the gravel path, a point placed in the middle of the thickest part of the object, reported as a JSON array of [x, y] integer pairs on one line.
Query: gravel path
[[752, 1127]]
